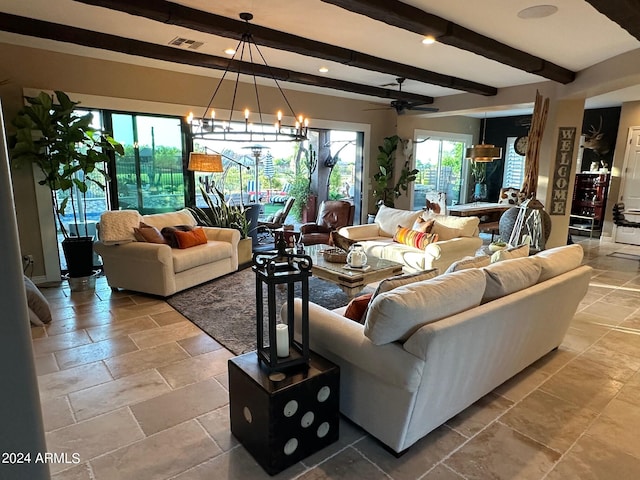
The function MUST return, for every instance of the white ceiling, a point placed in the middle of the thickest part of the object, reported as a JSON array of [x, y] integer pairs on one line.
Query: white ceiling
[[576, 37]]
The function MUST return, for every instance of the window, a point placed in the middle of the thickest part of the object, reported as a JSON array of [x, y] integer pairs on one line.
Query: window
[[439, 157], [149, 177], [513, 166]]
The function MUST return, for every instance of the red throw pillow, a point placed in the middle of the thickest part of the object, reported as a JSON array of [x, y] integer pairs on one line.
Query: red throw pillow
[[191, 238], [358, 307]]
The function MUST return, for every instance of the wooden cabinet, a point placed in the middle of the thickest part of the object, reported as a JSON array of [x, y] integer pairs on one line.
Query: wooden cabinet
[[589, 201]]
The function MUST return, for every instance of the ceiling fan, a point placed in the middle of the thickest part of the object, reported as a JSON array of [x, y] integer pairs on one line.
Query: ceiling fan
[[401, 106]]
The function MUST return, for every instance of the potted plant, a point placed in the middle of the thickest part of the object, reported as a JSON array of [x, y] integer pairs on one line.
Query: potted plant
[[70, 154], [304, 208], [479, 174], [220, 213], [385, 191]]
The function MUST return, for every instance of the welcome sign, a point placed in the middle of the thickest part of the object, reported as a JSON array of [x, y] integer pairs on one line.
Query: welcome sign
[[562, 170]]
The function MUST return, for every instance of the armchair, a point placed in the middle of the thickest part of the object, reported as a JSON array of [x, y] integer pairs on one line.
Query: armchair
[[278, 220], [332, 214]]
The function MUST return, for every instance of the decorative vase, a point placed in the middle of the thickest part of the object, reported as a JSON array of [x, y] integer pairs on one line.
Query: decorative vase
[[480, 191], [356, 257]]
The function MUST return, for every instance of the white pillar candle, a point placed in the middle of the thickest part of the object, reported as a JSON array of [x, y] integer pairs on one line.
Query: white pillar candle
[[282, 340]]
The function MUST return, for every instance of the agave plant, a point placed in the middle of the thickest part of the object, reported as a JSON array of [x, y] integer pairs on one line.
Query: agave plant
[[221, 213]]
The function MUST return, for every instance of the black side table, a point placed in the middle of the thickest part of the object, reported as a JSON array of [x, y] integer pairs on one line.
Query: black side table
[[282, 418]]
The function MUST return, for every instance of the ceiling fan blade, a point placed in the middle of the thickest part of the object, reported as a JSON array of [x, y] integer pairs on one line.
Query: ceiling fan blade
[[424, 109]]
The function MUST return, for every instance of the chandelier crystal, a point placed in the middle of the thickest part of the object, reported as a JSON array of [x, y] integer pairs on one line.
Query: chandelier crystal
[[244, 130]]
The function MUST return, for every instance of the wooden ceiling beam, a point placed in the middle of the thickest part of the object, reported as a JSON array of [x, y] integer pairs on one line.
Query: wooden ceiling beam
[[90, 38], [175, 14], [625, 13], [407, 17]]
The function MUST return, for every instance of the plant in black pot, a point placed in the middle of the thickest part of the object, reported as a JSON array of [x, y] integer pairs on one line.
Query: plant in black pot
[[70, 153], [385, 191]]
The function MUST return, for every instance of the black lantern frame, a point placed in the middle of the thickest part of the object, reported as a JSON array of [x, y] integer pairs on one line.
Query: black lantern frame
[[282, 268]]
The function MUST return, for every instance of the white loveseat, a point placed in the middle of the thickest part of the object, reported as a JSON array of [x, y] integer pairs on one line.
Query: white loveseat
[[156, 268], [430, 349], [458, 238]]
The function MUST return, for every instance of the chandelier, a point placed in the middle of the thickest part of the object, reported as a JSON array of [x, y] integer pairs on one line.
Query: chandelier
[[244, 130], [483, 152]]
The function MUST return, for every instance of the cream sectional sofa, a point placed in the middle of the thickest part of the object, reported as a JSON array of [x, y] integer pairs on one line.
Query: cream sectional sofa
[[159, 269], [458, 238], [430, 349]]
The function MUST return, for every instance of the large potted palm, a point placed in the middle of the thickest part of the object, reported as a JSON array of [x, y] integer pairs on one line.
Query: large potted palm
[[70, 154]]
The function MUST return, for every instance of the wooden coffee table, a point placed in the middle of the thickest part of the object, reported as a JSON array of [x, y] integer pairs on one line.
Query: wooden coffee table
[[351, 281]]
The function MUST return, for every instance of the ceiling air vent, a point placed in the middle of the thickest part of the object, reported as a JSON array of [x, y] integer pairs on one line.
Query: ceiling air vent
[[185, 43]]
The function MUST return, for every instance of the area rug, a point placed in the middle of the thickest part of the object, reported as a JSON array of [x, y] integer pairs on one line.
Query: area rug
[[225, 307]]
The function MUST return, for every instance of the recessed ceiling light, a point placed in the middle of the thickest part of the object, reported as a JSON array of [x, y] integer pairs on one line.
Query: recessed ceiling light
[[229, 51], [429, 40], [323, 69], [537, 11]]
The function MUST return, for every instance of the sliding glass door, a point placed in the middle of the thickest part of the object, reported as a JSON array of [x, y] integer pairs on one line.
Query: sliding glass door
[[439, 157], [149, 177]]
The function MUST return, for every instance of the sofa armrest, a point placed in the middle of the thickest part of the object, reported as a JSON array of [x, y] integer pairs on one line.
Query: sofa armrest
[[456, 247], [360, 232], [229, 235], [141, 252], [343, 340]]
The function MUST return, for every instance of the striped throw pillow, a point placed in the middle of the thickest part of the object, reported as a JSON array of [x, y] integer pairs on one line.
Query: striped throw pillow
[[413, 238]]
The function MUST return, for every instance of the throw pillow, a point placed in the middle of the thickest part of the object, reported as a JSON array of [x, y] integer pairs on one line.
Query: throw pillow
[[413, 238], [148, 233], [509, 276], [559, 260], [422, 225], [358, 307], [396, 315], [39, 311], [469, 262], [169, 234], [190, 238], [389, 218], [403, 279], [511, 253]]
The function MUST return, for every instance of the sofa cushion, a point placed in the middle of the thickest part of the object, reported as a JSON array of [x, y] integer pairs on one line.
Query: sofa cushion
[[389, 284], [191, 238], [389, 218], [212, 251], [508, 276], [559, 260], [414, 238], [148, 233], [117, 226], [510, 253], [161, 220], [357, 308], [387, 249], [39, 310], [397, 314], [469, 262], [467, 226]]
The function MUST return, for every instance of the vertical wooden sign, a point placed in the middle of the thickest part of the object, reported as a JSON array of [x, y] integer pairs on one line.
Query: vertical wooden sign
[[562, 170]]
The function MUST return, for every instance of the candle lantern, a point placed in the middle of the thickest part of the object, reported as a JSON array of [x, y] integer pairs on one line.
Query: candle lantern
[[277, 349]]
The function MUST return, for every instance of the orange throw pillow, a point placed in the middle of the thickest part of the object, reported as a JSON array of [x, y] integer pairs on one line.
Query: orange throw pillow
[[191, 238], [358, 307]]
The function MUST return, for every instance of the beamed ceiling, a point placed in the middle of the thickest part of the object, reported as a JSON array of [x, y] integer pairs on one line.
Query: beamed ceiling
[[365, 45]]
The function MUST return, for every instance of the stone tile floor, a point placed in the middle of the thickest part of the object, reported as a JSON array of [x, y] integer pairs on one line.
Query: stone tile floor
[[141, 393]]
